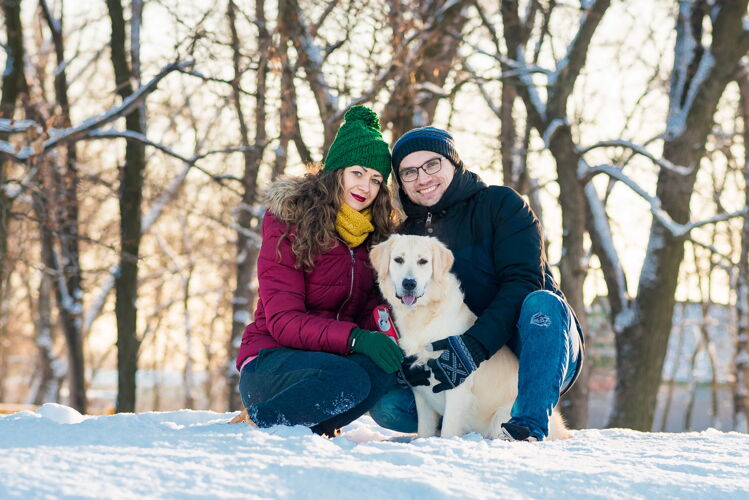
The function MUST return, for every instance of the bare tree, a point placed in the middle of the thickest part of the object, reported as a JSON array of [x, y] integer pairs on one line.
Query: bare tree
[[131, 195], [416, 72], [247, 241], [45, 387], [62, 186], [551, 121], [14, 87], [703, 65], [288, 116], [741, 359], [424, 63]]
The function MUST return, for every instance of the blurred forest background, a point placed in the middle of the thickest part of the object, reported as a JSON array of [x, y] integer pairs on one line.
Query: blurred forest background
[[137, 139]]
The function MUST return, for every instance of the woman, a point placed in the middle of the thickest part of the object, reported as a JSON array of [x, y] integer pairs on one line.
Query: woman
[[311, 356]]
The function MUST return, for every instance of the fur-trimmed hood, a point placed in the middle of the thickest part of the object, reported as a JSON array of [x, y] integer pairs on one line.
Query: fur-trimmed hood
[[281, 194]]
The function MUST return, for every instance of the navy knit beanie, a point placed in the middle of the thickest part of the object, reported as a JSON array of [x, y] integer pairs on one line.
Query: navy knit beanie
[[425, 139]]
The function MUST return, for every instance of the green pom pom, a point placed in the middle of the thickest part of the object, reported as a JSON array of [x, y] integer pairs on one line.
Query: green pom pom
[[363, 114]]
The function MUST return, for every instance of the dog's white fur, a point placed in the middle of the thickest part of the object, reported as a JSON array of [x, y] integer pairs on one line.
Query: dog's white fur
[[483, 402]]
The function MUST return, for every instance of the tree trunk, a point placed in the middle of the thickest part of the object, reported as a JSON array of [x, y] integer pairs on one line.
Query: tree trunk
[[130, 198], [508, 139], [14, 87], [46, 389], [551, 122], [698, 79], [187, 372], [741, 356], [287, 114], [65, 187], [572, 266], [247, 245]]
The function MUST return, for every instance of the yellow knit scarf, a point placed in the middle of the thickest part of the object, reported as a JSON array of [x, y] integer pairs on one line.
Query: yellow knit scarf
[[353, 226]]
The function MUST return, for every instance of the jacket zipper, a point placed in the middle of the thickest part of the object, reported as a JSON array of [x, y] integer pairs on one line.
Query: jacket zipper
[[351, 286], [428, 223]]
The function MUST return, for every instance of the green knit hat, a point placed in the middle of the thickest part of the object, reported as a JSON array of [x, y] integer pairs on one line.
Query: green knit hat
[[359, 142]]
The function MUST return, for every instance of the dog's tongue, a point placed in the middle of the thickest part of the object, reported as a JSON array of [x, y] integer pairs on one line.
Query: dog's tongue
[[408, 299]]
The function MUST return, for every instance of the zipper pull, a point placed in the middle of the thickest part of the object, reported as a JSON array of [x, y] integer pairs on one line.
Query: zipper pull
[[428, 224]]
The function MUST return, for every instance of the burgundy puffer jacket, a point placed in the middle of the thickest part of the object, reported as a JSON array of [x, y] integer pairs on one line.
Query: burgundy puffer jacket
[[313, 310]]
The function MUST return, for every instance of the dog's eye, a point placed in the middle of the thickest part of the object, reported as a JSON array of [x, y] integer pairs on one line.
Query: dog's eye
[[421, 262], [398, 260]]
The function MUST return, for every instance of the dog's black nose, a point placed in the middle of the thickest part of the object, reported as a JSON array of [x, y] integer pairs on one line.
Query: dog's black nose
[[409, 284]]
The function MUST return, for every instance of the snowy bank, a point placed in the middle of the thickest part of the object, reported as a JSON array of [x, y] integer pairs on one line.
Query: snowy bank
[[57, 453]]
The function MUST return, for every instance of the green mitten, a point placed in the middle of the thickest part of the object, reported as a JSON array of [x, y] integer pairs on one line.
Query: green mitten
[[379, 347]]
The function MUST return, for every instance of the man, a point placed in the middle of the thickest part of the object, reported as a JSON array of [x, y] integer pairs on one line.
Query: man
[[499, 258]]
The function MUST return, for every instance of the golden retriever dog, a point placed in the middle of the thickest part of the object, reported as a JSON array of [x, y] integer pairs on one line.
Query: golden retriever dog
[[427, 303]]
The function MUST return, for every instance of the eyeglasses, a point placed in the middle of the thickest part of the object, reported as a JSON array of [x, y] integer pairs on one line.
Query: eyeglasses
[[431, 167]]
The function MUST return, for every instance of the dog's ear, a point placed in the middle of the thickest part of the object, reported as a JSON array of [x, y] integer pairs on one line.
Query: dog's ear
[[442, 259], [379, 255]]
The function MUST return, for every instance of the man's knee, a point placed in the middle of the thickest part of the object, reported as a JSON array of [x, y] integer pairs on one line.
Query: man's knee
[[542, 311], [540, 308]]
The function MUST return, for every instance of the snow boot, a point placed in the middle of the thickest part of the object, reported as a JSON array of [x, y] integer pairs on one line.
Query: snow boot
[[514, 432]]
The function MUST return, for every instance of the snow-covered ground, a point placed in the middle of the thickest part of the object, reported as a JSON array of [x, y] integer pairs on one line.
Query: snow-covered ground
[[57, 453]]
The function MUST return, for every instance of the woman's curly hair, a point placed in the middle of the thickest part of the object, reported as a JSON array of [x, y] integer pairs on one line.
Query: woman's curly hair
[[311, 211]]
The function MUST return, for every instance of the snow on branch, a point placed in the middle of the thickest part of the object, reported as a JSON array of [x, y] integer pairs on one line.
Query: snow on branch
[[676, 122], [59, 137], [715, 219], [700, 71], [602, 230], [310, 56], [621, 143], [677, 230], [16, 126], [551, 129], [134, 100], [526, 81], [13, 188]]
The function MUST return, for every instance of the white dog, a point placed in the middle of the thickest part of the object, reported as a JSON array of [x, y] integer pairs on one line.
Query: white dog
[[414, 276]]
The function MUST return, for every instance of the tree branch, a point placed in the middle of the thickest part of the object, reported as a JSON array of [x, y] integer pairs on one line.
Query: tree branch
[[621, 143], [677, 230], [191, 160], [59, 137], [568, 68]]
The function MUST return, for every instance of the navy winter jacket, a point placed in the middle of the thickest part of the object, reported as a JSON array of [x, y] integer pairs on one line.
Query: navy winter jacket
[[498, 246]]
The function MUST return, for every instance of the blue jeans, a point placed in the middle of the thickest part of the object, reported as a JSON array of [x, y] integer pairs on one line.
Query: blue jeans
[[396, 410], [548, 348], [319, 390]]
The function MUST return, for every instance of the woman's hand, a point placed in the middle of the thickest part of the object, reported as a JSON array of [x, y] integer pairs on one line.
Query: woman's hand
[[379, 347]]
